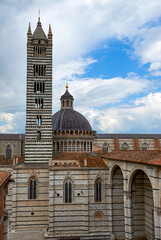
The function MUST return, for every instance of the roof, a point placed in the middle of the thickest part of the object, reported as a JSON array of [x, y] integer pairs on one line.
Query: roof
[[93, 159], [39, 33], [4, 176], [130, 135], [3, 160], [12, 137], [69, 119], [66, 95], [152, 157]]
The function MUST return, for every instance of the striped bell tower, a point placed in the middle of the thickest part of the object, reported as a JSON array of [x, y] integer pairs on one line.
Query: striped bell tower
[[38, 137]]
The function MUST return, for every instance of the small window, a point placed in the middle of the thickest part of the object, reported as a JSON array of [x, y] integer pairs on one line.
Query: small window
[[39, 103], [125, 146], [39, 120], [38, 136], [8, 152], [98, 190], [68, 190], [39, 87], [32, 193], [105, 148], [144, 146], [98, 216]]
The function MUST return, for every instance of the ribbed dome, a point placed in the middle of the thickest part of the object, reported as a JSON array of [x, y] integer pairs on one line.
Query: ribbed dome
[[69, 119]]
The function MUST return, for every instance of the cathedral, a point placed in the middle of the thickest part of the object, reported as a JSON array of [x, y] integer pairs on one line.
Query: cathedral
[[70, 182]]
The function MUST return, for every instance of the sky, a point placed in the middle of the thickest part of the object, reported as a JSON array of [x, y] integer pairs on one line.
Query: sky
[[108, 51]]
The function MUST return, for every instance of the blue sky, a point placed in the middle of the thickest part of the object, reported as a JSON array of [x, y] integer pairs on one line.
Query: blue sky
[[109, 52]]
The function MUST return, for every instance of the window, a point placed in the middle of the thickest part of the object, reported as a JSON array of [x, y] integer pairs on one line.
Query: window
[[98, 190], [38, 136], [32, 193], [125, 146], [39, 70], [144, 146], [8, 152], [105, 148], [68, 185], [39, 120], [39, 51], [98, 216], [39, 103], [39, 87]]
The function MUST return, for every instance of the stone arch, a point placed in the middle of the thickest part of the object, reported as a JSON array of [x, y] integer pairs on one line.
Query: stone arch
[[118, 218], [133, 171], [142, 205], [115, 165]]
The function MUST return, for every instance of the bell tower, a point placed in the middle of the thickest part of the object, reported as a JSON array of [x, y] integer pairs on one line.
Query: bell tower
[[38, 137]]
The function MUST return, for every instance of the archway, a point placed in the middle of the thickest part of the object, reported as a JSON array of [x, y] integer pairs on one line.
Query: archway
[[118, 219], [142, 206]]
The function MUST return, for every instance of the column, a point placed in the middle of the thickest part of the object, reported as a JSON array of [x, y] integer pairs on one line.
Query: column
[[128, 215], [109, 193]]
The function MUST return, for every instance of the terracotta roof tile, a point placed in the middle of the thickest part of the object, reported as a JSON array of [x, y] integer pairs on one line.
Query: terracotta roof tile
[[3, 161], [3, 177], [93, 159], [152, 157]]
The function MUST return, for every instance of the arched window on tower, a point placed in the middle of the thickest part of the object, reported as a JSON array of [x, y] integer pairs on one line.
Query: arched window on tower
[[32, 188], [8, 152], [98, 190], [68, 190], [38, 135]]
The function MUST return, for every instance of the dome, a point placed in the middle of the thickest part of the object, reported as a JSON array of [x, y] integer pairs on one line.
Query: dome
[[69, 119]]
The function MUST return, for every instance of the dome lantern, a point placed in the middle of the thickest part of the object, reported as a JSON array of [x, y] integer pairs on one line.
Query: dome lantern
[[66, 100]]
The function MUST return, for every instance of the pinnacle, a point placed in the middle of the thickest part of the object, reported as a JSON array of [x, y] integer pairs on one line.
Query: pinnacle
[[50, 32], [29, 30]]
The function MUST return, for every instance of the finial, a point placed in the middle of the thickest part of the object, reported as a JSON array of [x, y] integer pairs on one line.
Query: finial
[[39, 16], [66, 86], [29, 29], [50, 32]]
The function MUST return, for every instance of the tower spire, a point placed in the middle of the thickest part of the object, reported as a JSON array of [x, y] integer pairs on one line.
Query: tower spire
[[29, 30], [39, 16], [50, 32]]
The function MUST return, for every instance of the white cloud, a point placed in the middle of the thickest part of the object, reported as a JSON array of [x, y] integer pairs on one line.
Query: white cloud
[[142, 116], [11, 122]]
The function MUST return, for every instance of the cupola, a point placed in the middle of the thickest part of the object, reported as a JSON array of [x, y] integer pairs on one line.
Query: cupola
[[67, 100]]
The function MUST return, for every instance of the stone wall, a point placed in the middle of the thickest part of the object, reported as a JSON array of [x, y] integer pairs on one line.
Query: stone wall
[[132, 143], [16, 145], [77, 218]]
